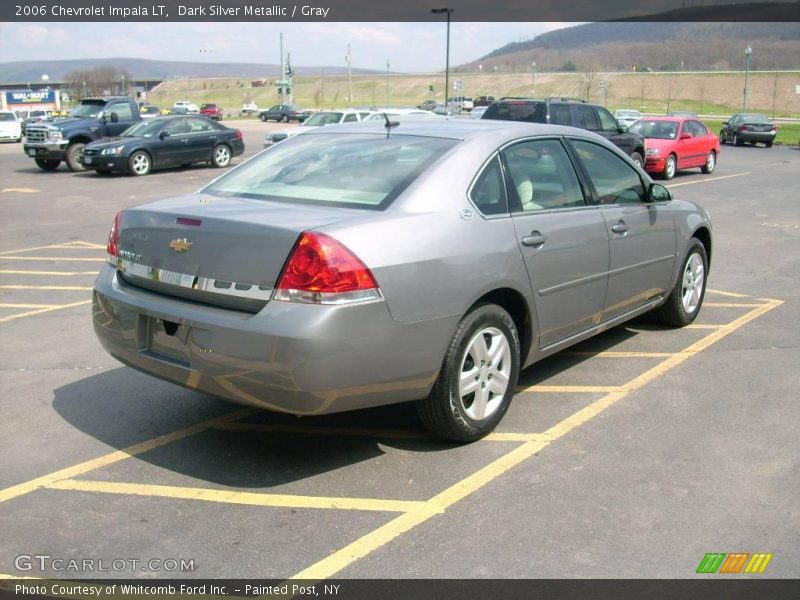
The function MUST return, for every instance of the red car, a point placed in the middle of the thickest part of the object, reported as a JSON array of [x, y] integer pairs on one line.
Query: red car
[[213, 111], [675, 143]]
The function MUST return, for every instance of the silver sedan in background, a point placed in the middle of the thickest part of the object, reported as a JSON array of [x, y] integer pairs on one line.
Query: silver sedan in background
[[368, 264]]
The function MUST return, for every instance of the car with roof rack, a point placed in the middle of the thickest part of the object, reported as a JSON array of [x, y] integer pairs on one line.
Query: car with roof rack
[[573, 112]]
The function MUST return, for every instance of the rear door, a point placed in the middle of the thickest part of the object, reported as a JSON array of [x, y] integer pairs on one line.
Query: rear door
[[641, 234], [202, 138], [563, 240]]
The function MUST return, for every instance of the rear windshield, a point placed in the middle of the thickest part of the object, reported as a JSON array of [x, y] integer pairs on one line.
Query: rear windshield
[[530, 112], [349, 170], [755, 119], [661, 130]]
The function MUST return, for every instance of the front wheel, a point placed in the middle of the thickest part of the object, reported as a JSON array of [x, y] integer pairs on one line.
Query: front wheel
[[74, 157], [722, 139], [139, 163], [670, 167], [221, 156], [711, 162], [284, 119], [478, 377], [263, 118], [686, 298], [47, 165], [637, 159]]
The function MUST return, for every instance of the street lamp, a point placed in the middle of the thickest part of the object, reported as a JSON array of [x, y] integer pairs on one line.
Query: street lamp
[[448, 12], [388, 89], [533, 78], [747, 52], [122, 85]]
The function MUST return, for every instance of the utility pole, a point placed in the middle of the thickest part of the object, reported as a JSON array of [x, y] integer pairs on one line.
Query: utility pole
[[289, 74], [283, 72], [388, 89], [747, 52], [448, 12], [349, 77]]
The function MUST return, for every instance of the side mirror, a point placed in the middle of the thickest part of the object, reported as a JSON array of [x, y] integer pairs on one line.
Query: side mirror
[[658, 193], [623, 129], [163, 134], [103, 119], [724, 123], [114, 117]]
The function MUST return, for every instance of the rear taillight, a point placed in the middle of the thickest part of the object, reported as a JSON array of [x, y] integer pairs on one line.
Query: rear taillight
[[321, 270], [239, 134], [112, 248], [744, 128]]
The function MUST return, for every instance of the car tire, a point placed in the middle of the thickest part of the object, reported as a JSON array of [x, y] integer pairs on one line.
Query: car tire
[[221, 156], [670, 167], [637, 158], [768, 145], [47, 165], [736, 140], [684, 302], [464, 408], [284, 119], [711, 163], [263, 118], [19, 140], [140, 163], [74, 155], [722, 139]]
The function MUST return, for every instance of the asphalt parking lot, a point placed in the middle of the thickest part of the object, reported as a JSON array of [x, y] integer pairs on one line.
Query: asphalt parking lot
[[630, 455]]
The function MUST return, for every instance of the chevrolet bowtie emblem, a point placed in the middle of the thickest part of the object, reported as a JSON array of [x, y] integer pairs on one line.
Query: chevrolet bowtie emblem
[[180, 245]]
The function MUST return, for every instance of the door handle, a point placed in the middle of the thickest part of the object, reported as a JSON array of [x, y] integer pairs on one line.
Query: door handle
[[184, 141], [535, 239], [620, 228]]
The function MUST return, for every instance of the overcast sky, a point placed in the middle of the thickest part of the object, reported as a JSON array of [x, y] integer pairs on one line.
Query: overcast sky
[[408, 46]]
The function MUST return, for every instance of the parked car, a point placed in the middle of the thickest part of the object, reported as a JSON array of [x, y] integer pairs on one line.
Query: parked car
[[148, 111], [10, 126], [190, 107], [571, 112], [165, 142], [318, 119], [283, 113], [405, 113], [249, 107], [50, 143], [675, 143], [748, 127], [428, 105], [627, 117], [482, 101], [477, 112], [212, 111], [460, 103], [289, 283], [682, 113], [33, 116]]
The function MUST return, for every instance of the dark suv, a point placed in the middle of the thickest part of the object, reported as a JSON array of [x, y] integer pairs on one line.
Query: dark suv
[[573, 113]]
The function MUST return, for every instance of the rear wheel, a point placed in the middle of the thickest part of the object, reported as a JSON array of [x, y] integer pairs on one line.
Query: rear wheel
[[139, 163], [736, 140], [284, 119], [47, 165], [768, 144], [637, 158], [74, 156], [221, 156], [686, 298], [263, 118], [478, 377], [670, 167], [711, 162]]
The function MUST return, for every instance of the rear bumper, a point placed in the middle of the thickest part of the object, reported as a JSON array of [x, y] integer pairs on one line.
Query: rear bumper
[[301, 359], [756, 136]]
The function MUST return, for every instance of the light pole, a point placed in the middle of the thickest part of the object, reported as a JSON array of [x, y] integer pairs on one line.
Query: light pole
[[388, 89], [84, 89], [747, 52], [448, 12], [122, 85], [533, 78], [349, 78]]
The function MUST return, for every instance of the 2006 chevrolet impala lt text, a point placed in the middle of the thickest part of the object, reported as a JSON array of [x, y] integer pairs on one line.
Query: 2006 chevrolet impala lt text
[[372, 263]]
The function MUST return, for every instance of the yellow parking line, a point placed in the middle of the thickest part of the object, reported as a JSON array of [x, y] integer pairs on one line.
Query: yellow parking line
[[78, 244], [613, 354], [338, 560], [101, 461], [60, 273], [699, 326], [67, 288], [707, 179], [236, 497], [570, 389], [52, 258], [722, 293], [43, 310], [19, 190], [28, 305], [733, 304]]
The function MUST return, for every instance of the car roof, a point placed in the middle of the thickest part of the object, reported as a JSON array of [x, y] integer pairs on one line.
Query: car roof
[[672, 119]]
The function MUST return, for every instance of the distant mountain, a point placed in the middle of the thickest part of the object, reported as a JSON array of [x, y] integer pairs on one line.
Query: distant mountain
[[658, 45], [32, 70]]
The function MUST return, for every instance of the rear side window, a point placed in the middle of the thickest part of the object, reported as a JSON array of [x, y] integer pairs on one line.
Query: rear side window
[[350, 170], [560, 114], [542, 176], [488, 193], [530, 112], [615, 181]]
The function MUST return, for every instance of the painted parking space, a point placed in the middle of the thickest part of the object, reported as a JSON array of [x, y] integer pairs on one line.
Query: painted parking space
[[377, 469]]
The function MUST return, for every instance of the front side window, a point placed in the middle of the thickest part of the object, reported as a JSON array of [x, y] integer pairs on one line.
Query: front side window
[[614, 180], [542, 176], [488, 194], [587, 118], [607, 122], [122, 110], [350, 170]]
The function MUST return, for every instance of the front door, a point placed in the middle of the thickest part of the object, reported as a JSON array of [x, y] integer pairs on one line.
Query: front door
[[563, 240]]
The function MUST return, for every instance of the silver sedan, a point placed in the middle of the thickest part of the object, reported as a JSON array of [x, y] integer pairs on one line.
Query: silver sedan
[[368, 264]]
